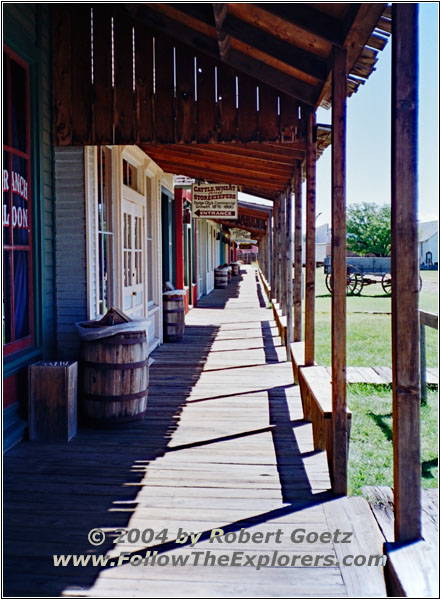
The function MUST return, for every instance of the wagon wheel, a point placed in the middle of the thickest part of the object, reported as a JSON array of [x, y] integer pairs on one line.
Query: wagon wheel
[[328, 282], [386, 283], [357, 283], [354, 283]]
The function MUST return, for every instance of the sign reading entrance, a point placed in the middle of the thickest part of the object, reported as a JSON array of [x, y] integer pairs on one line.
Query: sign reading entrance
[[214, 201]]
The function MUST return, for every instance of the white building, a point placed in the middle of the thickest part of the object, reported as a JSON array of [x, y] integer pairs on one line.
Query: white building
[[428, 244]]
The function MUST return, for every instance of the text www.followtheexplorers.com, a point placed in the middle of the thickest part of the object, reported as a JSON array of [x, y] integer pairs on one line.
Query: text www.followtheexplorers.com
[[206, 558]]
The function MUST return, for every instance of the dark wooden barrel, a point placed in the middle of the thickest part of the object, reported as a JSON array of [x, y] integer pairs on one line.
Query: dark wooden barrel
[[235, 267], [230, 273], [174, 315], [115, 379], [220, 278]]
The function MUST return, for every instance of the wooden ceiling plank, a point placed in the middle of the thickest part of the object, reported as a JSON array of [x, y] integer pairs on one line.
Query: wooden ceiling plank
[[220, 176], [193, 150], [273, 77], [377, 41], [221, 169], [385, 25], [273, 153], [308, 19], [365, 22], [272, 25], [283, 51], [202, 11]]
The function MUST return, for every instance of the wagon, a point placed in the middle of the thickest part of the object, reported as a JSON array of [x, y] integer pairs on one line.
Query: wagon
[[363, 271]]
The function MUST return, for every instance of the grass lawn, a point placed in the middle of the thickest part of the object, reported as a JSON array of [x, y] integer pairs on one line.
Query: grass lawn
[[370, 449], [368, 328]]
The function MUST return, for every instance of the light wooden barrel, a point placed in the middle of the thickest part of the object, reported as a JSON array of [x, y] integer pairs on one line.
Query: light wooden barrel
[[220, 278], [235, 267], [115, 379], [230, 273], [174, 315]]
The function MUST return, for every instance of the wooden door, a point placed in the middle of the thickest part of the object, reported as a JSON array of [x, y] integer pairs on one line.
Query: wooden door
[[133, 259]]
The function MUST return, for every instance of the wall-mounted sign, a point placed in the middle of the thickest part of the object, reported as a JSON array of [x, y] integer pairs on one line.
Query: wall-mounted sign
[[182, 181], [214, 201]]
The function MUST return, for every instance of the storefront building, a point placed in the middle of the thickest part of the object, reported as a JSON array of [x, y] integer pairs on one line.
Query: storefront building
[[28, 257]]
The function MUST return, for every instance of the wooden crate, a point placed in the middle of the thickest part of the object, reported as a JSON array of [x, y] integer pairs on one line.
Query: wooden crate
[[53, 399]]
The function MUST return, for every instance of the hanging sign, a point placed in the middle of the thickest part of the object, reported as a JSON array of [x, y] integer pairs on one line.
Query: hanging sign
[[214, 201]]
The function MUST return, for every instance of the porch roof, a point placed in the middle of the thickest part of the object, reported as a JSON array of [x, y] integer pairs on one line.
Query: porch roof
[[220, 92]]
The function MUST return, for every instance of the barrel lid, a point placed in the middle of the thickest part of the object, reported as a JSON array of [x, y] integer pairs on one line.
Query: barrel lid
[[174, 293]]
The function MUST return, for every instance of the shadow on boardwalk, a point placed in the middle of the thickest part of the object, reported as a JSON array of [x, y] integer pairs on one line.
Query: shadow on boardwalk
[[54, 494]]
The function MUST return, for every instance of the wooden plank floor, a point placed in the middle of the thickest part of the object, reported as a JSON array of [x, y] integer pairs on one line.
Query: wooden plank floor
[[223, 445]]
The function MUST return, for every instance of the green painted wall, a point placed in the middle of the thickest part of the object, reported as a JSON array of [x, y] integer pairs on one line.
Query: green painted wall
[[26, 31]]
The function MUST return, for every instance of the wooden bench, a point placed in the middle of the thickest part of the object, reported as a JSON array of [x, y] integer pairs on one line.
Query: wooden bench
[[265, 284], [316, 392], [297, 352], [280, 321]]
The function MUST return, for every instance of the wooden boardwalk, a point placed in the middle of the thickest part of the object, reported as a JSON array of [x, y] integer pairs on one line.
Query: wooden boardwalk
[[223, 445]]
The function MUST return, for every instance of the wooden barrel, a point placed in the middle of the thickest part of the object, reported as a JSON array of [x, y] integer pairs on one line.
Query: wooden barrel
[[174, 315], [220, 278], [235, 267], [230, 273], [115, 379]]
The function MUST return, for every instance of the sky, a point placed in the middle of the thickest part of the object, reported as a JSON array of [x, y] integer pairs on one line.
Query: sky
[[369, 131]]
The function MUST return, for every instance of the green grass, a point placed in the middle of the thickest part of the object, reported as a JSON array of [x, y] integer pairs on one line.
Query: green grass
[[369, 331], [370, 449]]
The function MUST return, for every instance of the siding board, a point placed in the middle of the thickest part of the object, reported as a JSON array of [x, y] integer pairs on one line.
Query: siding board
[[70, 243]]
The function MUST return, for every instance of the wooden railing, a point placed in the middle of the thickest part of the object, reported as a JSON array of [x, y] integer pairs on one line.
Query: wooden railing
[[427, 319]]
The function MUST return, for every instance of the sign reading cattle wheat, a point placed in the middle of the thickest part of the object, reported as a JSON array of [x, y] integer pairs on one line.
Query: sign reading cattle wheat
[[217, 200]]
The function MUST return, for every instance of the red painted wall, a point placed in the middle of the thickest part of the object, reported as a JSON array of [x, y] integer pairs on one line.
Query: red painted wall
[[15, 388], [180, 195]]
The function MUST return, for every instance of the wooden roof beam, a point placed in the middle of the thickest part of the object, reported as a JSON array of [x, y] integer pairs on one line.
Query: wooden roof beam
[[326, 27], [276, 48], [276, 79], [228, 26], [220, 11]]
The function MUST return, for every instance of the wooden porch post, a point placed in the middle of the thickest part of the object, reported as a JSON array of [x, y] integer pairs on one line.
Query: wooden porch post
[[405, 324], [298, 252], [310, 242], [339, 423], [270, 247], [273, 250], [283, 253], [275, 291], [289, 285]]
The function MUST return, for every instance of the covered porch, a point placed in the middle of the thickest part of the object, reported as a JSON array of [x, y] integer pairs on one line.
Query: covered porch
[[210, 92], [224, 445]]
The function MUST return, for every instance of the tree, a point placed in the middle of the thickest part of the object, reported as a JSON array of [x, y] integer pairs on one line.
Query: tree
[[368, 229]]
